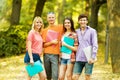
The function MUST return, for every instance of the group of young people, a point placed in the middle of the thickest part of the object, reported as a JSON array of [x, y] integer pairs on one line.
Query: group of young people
[[71, 63]]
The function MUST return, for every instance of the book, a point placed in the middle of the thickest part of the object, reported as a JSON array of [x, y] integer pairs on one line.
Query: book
[[51, 35], [69, 41], [88, 52], [34, 69]]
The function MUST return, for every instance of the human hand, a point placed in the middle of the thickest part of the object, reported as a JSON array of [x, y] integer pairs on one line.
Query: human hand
[[64, 44], [31, 61], [54, 41], [91, 61]]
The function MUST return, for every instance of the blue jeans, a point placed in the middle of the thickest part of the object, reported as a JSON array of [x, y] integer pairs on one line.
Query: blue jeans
[[36, 57], [51, 66], [78, 67], [65, 61]]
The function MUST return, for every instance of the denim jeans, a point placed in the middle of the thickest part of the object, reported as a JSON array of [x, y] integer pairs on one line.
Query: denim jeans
[[65, 61], [51, 66], [78, 67], [36, 57]]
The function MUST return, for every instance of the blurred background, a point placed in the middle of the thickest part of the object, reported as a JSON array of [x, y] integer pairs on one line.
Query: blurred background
[[16, 19]]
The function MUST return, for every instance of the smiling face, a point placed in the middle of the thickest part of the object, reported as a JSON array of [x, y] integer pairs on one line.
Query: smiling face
[[51, 18], [83, 22], [67, 24], [37, 23]]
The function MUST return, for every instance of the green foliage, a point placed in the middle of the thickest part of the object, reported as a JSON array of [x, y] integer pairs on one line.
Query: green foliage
[[4, 25], [102, 22], [13, 41], [102, 18]]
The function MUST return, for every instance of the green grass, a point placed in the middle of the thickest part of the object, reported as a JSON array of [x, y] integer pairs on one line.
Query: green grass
[[13, 68]]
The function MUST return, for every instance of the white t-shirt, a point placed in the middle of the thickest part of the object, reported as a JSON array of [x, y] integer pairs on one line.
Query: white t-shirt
[[66, 56]]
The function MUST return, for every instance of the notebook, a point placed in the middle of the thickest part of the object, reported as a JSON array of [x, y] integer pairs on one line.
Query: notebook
[[88, 52], [34, 69], [69, 41], [51, 35]]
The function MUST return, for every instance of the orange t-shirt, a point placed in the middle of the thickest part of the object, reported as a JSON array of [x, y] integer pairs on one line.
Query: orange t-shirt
[[52, 49]]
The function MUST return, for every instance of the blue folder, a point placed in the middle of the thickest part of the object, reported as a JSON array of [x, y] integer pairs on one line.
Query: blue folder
[[69, 41], [34, 69]]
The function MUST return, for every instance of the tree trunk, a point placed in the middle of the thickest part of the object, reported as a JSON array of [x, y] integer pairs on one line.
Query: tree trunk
[[87, 7], [107, 43], [114, 28], [94, 12], [60, 11], [16, 8], [39, 7]]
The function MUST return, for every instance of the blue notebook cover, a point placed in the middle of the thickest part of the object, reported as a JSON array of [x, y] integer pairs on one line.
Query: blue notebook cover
[[35, 68], [69, 41]]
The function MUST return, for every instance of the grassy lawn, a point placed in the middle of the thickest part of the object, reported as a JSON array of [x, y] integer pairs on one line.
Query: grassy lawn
[[13, 68]]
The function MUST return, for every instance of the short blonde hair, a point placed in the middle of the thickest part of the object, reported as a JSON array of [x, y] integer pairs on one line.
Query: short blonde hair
[[37, 18]]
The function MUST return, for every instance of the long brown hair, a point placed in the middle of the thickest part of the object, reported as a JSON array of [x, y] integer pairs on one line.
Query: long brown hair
[[72, 24]]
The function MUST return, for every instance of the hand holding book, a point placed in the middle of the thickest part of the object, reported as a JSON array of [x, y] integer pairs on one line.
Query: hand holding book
[[35, 68], [68, 41], [54, 41], [52, 36], [88, 53]]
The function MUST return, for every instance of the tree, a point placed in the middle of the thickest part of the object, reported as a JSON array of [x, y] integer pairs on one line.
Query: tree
[[114, 33], [87, 6], [39, 7], [95, 5], [60, 11], [16, 8]]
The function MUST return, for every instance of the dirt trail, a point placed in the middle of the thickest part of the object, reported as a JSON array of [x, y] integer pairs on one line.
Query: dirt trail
[[14, 69]]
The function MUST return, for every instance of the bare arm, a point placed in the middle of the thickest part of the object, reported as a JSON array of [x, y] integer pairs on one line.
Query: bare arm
[[73, 48], [30, 52], [46, 44]]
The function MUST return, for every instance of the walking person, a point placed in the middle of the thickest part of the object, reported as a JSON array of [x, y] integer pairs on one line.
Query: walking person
[[87, 36], [66, 66], [34, 45], [52, 36]]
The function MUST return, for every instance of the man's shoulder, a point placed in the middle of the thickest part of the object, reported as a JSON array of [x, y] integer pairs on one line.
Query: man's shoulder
[[45, 29], [59, 26], [77, 30], [92, 29]]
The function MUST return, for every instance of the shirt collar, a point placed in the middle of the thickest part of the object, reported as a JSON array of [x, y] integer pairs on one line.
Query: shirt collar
[[87, 27]]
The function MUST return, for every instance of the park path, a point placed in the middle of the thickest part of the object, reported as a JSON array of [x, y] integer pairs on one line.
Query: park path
[[100, 72], [13, 68]]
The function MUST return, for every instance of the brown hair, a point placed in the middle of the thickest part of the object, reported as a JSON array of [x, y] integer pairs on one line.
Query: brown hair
[[82, 16]]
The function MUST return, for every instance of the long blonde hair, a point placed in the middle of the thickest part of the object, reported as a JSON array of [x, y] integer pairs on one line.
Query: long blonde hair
[[37, 18]]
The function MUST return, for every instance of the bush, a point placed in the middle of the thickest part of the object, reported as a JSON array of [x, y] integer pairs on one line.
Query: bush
[[12, 41]]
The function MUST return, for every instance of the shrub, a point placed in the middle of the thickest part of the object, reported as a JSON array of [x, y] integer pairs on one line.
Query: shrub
[[12, 41]]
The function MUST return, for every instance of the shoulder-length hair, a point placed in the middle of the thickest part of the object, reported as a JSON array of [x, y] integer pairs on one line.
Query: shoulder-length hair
[[40, 19]]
